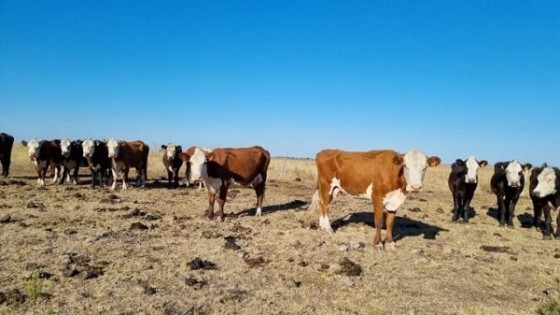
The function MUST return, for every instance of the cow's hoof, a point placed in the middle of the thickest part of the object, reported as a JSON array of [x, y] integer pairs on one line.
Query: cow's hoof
[[546, 237], [391, 246], [378, 247], [502, 224], [510, 226], [557, 237]]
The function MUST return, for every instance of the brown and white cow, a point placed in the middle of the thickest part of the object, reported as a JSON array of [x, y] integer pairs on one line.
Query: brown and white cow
[[43, 154], [219, 168], [125, 155], [383, 176]]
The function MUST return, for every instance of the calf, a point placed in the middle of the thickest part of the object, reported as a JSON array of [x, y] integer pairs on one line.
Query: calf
[[507, 183], [44, 153], [6, 144], [462, 182], [172, 162], [97, 156], [385, 177], [545, 194], [219, 168], [125, 155], [72, 159]]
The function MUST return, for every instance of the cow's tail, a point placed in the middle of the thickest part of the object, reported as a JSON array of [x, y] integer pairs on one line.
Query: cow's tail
[[314, 205]]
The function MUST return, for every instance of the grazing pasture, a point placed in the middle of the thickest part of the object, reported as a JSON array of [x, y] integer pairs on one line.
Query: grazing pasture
[[73, 249]]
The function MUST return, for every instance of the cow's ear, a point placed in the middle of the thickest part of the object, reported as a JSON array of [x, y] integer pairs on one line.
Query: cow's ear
[[164, 147], [179, 148], [434, 161], [527, 166], [24, 143], [96, 142], [398, 159], [459, 162], [483, 163]]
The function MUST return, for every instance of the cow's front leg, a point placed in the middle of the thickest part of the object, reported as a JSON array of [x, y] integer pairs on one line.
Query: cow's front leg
[[125, 178], [466, 209], [222, 199], [211, 202], [389, 221], [501, 210], [510, 213], [115, 177], [547, 222], [378, 216], [455, 208], [557, 235]]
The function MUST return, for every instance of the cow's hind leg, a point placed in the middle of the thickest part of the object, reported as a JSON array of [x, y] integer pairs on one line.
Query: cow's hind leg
[[378, 218], [557, 235], [325, 198], [222, 199], [259, 190]]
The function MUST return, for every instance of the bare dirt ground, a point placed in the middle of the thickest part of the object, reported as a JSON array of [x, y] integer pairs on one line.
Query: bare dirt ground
[[70, 249]]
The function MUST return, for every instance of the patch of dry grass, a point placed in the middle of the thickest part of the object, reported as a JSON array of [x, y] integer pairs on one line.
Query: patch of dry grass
[[102, 263]]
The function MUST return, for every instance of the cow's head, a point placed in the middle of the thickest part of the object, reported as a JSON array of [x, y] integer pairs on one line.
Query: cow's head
[[197, 163], [472, 169], [65, 147], [414, 164], [33, 148], [113, 148], [547, 182], [514, 172], [89, 147], [172, 151]]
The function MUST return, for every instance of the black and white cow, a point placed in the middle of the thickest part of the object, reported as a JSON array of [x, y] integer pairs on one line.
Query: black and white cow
[[97, 156], [545, 195], [507, 183], [6, 144], [172, 162], [72, 159], [462, 182], [43, 154]]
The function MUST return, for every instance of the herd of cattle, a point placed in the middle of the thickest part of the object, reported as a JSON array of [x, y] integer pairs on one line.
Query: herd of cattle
[[383, 176]]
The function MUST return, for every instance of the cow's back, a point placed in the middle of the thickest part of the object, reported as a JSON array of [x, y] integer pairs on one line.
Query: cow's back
[[6, 144], [136, 153], [357, 170], [241, 164]]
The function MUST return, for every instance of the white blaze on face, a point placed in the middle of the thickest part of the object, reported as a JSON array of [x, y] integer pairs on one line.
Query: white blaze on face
[[198, 164], [88, 146], [513, 173], [415, 164], [113, 147], [171, 151], [546, 183], [65, 147], [33, 147], [472, 170]]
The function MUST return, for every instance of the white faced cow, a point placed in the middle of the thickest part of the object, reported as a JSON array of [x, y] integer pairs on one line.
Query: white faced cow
[[44, 153], [462, 182], [383, 176], [219, 168], [507, 183], [172, 162], [545, 195], [125, 155]]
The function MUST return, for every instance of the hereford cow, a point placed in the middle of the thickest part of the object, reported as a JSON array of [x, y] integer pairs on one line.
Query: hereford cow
[[44, 153], [385, 177], [462, 182], [6, 144], [125, 155], [172, 162], [72, 159], [219, 168], [97, 156], [545, 195], [507, 183]]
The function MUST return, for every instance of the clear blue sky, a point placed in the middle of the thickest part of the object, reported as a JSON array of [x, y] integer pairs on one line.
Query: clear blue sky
[[451, 78]]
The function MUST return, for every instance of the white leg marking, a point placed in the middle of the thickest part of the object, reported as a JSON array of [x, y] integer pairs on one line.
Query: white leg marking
[[114, 179], [259, 212], [325, 224]]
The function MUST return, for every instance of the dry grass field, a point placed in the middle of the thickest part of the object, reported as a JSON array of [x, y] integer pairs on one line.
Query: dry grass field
[[69, 249]]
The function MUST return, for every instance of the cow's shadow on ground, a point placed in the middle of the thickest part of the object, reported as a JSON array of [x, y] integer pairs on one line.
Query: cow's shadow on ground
[[403, 226], [292, 205], [525, 219]]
